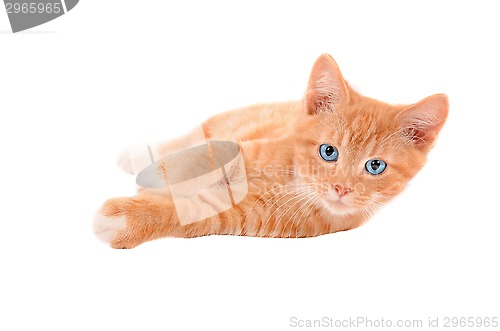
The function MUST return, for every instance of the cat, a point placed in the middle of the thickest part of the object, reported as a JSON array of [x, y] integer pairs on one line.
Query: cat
[[315, 166]]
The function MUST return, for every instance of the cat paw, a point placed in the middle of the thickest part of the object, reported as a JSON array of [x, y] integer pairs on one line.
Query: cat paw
[[124, 162], [112, 223], [121, 222], [106, 227]]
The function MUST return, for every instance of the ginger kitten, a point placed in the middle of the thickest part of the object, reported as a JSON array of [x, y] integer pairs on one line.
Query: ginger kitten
[[315, 166]]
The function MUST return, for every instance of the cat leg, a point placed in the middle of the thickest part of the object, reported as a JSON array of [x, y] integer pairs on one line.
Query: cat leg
[[137, 157], [128, 222]]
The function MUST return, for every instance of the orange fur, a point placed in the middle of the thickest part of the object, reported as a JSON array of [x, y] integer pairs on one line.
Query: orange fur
[[292, 191]]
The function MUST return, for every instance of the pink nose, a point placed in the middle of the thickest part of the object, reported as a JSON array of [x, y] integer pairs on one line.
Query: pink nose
[[341, 190]]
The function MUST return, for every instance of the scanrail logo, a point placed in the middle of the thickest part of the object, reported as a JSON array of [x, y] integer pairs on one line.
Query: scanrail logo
[[26, 14]]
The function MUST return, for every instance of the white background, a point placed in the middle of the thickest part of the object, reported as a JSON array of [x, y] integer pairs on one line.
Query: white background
[[75, 91]]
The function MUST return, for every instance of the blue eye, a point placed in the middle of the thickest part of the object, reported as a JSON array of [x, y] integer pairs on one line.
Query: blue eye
[[375, 167], [328, 152]]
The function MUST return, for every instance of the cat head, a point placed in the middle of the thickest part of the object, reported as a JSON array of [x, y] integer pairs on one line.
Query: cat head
[[356, 152]]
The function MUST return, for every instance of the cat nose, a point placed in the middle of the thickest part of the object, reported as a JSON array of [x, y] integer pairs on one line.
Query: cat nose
[[341, 190]]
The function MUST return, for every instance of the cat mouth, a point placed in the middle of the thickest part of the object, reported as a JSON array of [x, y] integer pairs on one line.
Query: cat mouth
[[338, 206], [335, 200]]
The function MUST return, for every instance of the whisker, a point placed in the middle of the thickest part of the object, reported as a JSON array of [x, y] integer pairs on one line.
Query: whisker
[[296, 195], [311, 196], [279, 219], [286, 186], [308, 210], [287, 189]]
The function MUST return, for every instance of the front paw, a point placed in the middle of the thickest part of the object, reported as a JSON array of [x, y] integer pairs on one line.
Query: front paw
[[106, 227], [128, 222], [111, 224]]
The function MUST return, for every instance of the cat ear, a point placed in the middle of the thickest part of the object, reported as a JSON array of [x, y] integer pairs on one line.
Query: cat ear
[[422, 121], [327, 88]]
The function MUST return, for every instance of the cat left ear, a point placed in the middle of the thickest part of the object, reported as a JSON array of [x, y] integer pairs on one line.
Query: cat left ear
[[422, 121], [327, 88]]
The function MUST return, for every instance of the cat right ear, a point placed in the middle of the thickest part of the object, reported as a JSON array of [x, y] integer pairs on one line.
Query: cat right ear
[[327, 88], [422, 121]]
